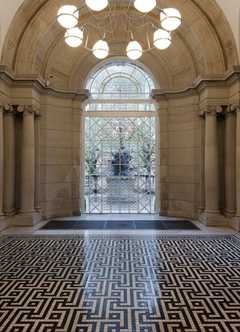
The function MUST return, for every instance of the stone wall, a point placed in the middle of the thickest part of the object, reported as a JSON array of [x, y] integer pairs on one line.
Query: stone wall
[[51, 183], [60, 148], [183, 135], [40, 152]]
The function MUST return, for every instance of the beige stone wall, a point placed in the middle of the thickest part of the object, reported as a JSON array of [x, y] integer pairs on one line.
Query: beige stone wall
[[60, 156], [5, 92], [52, 150], [4, 99], [180, 156], [199, 170]]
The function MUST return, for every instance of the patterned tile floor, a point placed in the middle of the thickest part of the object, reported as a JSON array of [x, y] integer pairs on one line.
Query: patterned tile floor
[[124, 283]]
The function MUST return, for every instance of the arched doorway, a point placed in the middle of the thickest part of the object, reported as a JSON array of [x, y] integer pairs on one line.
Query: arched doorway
[[120, 141]]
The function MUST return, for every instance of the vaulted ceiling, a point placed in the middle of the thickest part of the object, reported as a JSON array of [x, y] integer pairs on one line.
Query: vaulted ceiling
[[203, 46]]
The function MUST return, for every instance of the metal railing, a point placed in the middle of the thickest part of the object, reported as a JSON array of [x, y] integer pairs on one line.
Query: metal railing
[[121, 95], [120, 107]]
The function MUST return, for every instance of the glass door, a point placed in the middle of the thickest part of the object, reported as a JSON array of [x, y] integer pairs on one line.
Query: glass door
[[120, 165]]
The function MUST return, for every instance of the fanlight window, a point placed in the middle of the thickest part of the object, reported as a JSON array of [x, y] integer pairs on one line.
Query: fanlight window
[[120, 80]]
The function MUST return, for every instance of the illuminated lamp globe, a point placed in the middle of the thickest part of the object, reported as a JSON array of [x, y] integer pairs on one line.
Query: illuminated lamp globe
[[170, 19], [145, 6], [97, 5], [101, 49], [68, 16], [134, 50], [74, 37], [162, 39]]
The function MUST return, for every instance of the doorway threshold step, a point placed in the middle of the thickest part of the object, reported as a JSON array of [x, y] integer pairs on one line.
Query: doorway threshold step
[[160, 224]]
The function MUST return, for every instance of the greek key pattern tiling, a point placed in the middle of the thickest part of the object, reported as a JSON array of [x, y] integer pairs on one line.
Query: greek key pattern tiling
[[120, 284]]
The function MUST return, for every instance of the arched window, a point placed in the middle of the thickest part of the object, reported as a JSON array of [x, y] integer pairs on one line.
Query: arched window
[[120, 86]]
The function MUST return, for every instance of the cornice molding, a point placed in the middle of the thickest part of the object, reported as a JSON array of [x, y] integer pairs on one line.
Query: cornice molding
[[200, 84], [40, 85]]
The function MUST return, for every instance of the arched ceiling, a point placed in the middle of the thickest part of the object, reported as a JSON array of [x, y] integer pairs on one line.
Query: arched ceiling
[[204, 45]]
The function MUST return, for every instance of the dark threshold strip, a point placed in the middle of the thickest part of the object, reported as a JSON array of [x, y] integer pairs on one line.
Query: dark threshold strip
[[120, 224]]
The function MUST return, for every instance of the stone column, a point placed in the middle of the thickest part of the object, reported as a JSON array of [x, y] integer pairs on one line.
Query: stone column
[[82, 164], [37, 161], [157, 176], [28, 215], [9, 161], [202, 163], [1, 161], [211, 215], [237, 218], [28, 161], [230, 157]]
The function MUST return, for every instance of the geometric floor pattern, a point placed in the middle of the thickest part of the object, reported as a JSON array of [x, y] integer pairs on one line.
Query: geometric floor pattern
[[111, 284]]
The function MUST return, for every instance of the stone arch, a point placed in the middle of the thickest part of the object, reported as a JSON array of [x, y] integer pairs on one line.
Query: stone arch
[[34, 27]]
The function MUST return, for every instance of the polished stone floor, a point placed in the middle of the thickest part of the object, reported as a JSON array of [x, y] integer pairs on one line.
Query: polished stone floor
[[128, 283]]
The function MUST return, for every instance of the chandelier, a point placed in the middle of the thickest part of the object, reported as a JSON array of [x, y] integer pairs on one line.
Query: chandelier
[[69, 17]]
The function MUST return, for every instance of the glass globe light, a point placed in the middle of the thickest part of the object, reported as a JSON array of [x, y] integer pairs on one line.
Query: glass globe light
[[134, 50], [101, 49], [97, 5], [170, 19], [145, 6], [162, 39], [68, 16], [74, 37]]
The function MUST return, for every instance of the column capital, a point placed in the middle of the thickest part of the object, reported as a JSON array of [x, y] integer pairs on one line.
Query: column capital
[[211, 110], [28, 110], [233, 108], [37, 113], [214, 109], [7, 108]]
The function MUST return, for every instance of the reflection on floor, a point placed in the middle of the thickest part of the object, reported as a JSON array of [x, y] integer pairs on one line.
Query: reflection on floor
[[120, 283]]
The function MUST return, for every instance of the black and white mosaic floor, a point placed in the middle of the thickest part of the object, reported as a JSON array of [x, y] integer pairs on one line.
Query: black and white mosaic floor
[[105, 284]]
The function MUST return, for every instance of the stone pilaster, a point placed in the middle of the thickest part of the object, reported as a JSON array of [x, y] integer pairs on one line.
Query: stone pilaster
[[236, 220], [230, 157], [202, 163], [28, 215], [37, 161], [82, 165], [1, 161], [158, 179], [211, 215], [9, 161]]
